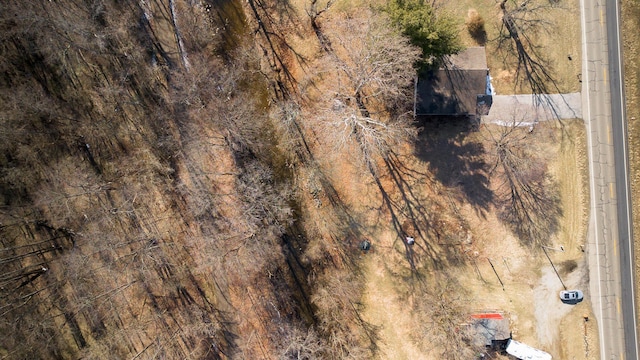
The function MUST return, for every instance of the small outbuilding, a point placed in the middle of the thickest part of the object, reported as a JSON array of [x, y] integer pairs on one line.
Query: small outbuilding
[[489, 330]]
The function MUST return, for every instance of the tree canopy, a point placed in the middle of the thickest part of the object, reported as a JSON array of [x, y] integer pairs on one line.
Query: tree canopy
[[435, 34]]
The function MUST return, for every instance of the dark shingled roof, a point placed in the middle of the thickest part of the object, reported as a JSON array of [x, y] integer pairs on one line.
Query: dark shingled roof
[[454, 88]]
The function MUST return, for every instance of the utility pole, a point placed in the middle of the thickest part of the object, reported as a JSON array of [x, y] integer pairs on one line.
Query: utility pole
[[495, 272], [554, 267]]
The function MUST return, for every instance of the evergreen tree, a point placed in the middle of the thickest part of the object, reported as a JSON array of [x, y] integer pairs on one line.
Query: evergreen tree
[[435, 34]]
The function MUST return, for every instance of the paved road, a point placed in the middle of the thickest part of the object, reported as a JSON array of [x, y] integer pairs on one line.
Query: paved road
[[610, 236]]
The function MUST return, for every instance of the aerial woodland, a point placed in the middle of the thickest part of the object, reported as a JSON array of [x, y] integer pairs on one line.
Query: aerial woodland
[[177, 177]]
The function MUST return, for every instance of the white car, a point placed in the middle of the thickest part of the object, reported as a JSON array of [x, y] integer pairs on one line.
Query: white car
[[571, 296]]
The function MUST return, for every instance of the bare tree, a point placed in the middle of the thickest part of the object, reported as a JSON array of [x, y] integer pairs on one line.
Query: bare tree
[[371, 72], [521, 21], [443, 306], [336, 297], [303, 346], [314, 10], [528, 200]]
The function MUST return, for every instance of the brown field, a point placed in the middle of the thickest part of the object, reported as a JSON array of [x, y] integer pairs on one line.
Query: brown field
[[391, 293]]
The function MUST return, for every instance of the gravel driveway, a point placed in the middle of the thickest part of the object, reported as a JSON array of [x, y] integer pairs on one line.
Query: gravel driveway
[[549, 310], [527, 110]]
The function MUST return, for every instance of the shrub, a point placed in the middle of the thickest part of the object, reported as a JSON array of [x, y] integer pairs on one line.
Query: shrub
[[475, 26]]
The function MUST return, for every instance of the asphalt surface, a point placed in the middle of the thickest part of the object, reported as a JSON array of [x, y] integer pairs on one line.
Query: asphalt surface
[[610, 236]]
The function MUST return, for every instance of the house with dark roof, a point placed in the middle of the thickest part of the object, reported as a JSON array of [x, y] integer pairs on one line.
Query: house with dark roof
[[461, 87]]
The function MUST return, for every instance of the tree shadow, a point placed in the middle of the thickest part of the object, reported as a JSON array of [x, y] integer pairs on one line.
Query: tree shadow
[[527, 196], [516, 39], [276, 44], [412, 214], [413, 207], [456, 159], [395, 210]]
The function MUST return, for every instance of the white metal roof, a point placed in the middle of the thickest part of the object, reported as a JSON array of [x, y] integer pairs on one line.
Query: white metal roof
[[526, 352]]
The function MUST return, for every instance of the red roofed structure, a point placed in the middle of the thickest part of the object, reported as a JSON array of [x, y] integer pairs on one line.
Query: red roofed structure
[[495, 316]]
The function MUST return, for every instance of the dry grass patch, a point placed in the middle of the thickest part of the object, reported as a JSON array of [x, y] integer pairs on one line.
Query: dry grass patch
[[557, 42], [496, 270], [631, 50], [571, 168]]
